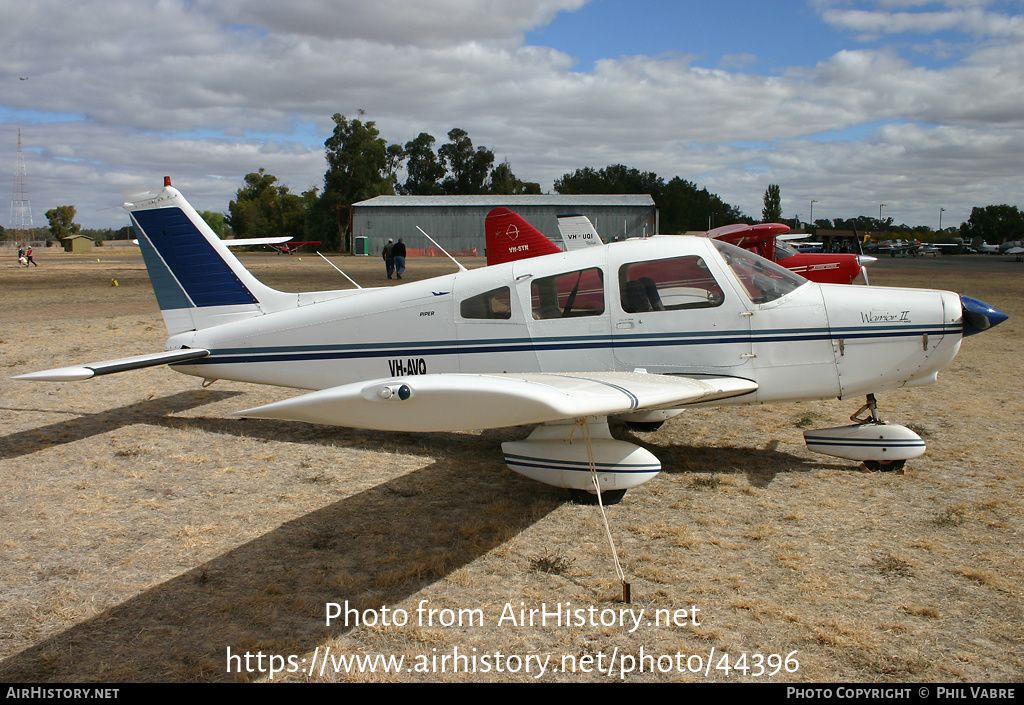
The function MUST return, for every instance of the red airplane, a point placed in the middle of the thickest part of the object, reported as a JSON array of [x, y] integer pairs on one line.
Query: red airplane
[[822, 267], [510, 238], [290, 247]]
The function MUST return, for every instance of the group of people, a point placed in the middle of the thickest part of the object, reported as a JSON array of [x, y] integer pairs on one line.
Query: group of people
[[25, 256], [394, 257]]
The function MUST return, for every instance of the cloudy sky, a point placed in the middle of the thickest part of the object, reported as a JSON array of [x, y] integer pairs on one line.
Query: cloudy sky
[[851, 103]]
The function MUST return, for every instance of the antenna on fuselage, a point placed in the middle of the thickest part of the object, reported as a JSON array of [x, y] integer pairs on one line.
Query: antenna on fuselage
[[340, 272], [442, 249]]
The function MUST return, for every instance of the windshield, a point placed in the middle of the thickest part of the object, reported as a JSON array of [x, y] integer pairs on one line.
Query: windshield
[[783, 250], [764, 281]]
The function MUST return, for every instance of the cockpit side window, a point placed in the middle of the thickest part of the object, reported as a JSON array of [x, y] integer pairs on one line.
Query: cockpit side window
[[668, 285], [495, 304], [763, 281], [568, 295]]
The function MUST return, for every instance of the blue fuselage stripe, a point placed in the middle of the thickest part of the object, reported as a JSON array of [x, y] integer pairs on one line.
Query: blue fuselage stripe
[[880, 442], [578, 466], [298, 353]]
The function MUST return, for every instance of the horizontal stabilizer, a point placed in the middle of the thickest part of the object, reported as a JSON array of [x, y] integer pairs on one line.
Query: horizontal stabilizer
[[458, 402], [107, 367]]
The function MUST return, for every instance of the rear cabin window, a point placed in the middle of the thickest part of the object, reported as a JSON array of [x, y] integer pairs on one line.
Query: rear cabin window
[[495, 304], [668, 285], [569, 295]]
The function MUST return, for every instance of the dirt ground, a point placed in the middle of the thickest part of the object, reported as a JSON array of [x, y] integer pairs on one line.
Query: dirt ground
[[146, 535]]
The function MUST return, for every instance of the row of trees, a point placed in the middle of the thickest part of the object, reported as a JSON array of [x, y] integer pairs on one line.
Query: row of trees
[[361, 164], [264, 207], [62, 224], [992, 224], [682, 205]]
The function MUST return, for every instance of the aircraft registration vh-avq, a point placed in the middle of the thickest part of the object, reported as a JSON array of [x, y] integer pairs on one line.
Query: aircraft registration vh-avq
[[635, 330]]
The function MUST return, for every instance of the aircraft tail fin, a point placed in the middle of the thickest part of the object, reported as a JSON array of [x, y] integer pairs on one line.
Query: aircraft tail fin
[[198, 282], [511, 238], [577, 232]]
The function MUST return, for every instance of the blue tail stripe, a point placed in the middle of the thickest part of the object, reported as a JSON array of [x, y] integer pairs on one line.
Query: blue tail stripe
[[195, 265], [169, 294]]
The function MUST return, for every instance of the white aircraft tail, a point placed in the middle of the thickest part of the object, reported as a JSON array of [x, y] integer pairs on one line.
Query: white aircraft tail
[[577, 232], [198, 282]]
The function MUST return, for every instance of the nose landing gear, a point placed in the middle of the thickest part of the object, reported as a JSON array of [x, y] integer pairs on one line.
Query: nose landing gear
[[880, 446]]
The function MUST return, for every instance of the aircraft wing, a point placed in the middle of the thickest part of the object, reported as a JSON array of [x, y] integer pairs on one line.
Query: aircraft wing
[[107, 367], [459, 402], [748, 236], [246, 242]]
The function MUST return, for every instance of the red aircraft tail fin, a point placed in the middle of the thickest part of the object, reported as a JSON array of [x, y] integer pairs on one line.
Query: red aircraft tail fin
[[511, 238]]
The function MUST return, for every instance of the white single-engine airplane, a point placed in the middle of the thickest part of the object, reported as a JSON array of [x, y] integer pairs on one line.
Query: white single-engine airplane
[[635, 330]]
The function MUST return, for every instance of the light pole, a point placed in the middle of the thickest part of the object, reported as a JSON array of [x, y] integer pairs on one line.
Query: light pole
[[941, 211], [812, 212]]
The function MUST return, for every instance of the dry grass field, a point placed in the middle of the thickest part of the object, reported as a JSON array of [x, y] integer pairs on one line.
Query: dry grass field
[[144, 532]]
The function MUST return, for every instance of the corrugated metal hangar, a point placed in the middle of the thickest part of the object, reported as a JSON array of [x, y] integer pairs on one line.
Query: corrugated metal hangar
[[457, 222]]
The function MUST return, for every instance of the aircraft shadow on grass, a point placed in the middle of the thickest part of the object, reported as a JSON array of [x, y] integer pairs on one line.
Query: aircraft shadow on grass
[[375, 548], [84, 426], [759, 465]]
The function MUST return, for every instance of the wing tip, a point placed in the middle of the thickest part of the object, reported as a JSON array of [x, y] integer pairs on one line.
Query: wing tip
[[61, 374]]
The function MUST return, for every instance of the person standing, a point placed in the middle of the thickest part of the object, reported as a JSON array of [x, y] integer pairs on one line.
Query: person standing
[[389, 258], [399, 254]]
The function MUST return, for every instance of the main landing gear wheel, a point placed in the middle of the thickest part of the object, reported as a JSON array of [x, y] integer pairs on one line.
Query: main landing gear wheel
[[589, 498], [878, 445], [644, 426], [885, 465]]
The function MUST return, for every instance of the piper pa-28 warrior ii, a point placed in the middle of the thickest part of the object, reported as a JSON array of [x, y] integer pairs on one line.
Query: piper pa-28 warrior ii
[[635, 330]]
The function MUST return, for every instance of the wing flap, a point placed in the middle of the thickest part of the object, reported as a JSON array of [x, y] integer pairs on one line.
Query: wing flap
[[107, 367], [458, 402]]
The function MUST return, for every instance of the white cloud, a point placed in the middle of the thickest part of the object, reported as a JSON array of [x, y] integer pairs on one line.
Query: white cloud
[[974, 19], [429, 23], [144, 89]]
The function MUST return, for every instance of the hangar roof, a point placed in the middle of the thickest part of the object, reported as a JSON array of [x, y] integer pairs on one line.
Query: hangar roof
[[634, 200]]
